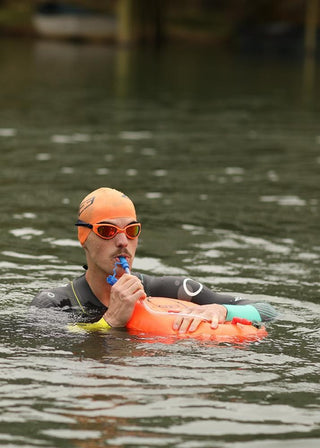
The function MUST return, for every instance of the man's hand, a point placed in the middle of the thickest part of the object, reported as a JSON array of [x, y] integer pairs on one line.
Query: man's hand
[[123, 297], [214, 313]]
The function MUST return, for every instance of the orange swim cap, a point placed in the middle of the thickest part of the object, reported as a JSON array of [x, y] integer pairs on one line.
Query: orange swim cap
[[101, 205]]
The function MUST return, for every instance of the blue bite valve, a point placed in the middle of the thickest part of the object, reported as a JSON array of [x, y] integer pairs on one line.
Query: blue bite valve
[[112, 279], [124, 264]]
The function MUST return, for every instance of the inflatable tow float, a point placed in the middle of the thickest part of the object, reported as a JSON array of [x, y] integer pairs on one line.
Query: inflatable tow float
[[154, 316]]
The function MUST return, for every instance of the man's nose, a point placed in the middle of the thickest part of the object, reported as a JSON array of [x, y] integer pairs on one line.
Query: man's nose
[[121, 239]]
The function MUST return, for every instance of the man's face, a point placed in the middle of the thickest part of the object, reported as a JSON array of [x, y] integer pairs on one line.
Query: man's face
[[103, 254]]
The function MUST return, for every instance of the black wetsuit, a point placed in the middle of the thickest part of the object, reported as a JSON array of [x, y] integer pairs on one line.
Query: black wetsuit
[[78, 299]]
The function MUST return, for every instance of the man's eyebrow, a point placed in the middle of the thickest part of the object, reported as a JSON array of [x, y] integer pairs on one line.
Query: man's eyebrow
[[112, 224]]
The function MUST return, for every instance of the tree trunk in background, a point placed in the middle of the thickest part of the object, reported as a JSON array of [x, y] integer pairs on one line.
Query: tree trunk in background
[[140, 20], [311, 27]]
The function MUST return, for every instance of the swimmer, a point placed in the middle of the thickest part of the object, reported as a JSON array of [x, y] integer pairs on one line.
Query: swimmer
[[108, 228]]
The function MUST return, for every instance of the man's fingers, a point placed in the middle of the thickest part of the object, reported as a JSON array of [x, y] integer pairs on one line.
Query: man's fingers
[[128, 286], [177, 323], [195, 324], [186, 324], [215, 314], [215, 322]]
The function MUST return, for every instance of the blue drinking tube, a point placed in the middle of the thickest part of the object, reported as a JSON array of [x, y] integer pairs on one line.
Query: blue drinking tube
[[111, 279]]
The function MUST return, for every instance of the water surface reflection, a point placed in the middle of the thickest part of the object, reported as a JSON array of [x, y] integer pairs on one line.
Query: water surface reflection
[[220, 153]]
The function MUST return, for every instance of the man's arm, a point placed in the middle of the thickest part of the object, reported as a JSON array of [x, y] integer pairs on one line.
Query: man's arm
[[193, 291]]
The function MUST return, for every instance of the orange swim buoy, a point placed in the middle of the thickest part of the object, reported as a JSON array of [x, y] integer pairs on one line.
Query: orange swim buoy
[[155, 316]]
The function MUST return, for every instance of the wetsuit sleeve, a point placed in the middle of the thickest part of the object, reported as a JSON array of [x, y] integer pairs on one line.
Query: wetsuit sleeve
[[58, 297], [75, 298], [190, 290]]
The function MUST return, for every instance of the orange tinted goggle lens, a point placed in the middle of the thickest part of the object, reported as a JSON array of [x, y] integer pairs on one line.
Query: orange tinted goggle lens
[[108, 231]]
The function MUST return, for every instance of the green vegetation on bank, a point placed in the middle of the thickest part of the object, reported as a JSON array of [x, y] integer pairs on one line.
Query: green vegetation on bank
[[199, 20], [16, 17]]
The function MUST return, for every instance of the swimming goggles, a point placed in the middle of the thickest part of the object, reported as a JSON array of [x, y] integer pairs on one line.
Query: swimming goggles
[[109, 231]]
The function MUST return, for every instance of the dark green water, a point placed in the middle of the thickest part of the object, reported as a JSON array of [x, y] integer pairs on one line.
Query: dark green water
[[221, 154]]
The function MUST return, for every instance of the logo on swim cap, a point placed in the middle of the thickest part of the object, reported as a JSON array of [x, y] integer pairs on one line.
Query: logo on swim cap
[[85, 204]]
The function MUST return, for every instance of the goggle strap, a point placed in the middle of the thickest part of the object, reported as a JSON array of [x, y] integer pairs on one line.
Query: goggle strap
[[83, 224]]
